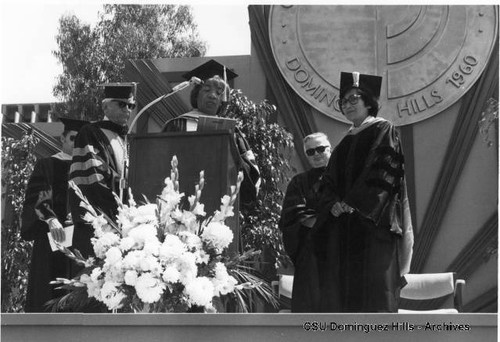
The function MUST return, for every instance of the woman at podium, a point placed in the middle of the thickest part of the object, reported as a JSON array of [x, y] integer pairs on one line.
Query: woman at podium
[[208, 99]]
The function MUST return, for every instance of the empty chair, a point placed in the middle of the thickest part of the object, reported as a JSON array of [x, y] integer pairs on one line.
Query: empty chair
[[443, 290]]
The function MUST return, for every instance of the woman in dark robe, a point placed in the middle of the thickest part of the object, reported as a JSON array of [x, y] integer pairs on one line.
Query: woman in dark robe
[[298, 217], [363, 234], [210, 97]]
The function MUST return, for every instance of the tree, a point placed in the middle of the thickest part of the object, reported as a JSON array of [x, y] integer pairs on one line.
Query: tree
[[92, 56]]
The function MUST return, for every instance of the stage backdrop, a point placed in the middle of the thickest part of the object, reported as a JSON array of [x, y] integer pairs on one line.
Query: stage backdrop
[[440, 70]]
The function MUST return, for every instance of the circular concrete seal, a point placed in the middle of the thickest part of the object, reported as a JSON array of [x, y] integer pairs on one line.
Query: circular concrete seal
[[428, 56]]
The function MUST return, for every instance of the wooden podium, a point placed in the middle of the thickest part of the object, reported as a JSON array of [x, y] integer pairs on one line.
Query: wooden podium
[[215, 152]]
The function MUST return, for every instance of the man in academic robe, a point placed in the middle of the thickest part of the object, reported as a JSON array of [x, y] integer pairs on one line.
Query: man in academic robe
[[298, 216], [98, 161], [209, 98], [45, 211]]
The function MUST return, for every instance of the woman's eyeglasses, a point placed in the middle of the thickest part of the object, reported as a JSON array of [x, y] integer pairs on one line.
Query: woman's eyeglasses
[[353, 99], [319, 149], [124, 104]]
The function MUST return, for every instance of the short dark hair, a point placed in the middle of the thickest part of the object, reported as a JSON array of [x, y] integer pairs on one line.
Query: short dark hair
[[368, 98], [193, 98]]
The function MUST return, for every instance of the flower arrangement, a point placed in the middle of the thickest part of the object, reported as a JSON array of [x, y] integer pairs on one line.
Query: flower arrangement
[[158, 257]]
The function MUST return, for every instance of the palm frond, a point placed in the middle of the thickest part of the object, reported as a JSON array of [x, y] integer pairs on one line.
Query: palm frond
[[256, 286], [74, 255], [242, 301], [75, 301]]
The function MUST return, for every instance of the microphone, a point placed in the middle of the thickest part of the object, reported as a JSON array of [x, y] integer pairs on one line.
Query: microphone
[[175, 89], [186, 84]]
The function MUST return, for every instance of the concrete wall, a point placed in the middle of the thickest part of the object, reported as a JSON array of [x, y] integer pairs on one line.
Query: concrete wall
[[247, 327]]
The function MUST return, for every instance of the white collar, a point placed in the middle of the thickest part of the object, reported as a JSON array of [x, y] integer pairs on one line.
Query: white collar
[[367, 122], [62, 156]]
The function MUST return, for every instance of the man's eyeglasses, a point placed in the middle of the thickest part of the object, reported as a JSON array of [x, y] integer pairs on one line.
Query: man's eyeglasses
[[319, 149], [124, 104], [72, 137], [353, 99]]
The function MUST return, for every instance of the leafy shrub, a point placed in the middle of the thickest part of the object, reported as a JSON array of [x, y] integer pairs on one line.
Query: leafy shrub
[[273, 147], [18, 160]]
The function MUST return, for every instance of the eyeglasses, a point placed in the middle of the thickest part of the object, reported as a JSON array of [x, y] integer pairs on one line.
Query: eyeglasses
[[353, 99], [72, 137], [124, 104], [319, 149]]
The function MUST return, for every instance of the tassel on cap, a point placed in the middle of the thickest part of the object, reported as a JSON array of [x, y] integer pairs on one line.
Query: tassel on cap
[[371, 83], [224, 96], [355, 79]]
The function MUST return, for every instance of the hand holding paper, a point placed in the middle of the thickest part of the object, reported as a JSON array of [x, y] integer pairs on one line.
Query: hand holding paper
[[68, 238]]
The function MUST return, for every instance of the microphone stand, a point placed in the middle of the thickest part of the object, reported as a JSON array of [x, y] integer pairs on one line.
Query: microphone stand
[[175, 90]]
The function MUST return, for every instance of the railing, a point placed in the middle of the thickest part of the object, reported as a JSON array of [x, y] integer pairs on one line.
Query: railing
[[27, 112]]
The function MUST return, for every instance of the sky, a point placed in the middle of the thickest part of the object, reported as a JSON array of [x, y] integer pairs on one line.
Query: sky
[[27, 38], [28, 28]]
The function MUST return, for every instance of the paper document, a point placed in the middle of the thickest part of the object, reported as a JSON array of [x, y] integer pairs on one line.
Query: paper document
[[68, 241]]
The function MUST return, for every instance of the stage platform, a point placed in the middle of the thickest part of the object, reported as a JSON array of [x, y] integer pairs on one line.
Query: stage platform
[[248, 327]]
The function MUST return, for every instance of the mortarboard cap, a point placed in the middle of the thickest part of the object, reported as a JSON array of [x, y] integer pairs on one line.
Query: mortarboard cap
[[73, 124], [123, 91], [369, 83], [210, 69]]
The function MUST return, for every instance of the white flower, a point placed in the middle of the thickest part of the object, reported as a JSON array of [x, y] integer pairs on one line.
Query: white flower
[[124, 219], [192, 241], [133, 260], [104, 242], [152, 246], [169, 198], [149, 263], [223, 282], [218, 235], [127, 243], [146, 214], [184, 220], [112, 296], [130, 277], [199, 208], [189, 220], [202, 257], [113, 264], [195, 246], [226, 210], [113, 255], [99, 223], [199, 291], [171, 248], [96, 274], [142, 233], [171, 274], [93, 283], [186, 264], [149, 289]]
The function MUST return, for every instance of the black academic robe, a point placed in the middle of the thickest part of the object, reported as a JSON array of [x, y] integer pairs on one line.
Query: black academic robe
[[247, 163], [362, 256], [300, 204], [96, 170], [46, 197]]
